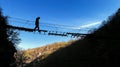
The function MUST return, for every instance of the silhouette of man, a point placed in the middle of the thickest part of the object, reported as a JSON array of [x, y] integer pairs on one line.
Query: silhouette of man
[[37, 24]]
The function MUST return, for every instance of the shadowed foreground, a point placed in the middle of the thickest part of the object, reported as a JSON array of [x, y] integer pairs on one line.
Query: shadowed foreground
[[99, 49]]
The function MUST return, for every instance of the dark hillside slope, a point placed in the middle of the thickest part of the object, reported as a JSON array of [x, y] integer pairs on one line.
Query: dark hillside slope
[[99, 49]]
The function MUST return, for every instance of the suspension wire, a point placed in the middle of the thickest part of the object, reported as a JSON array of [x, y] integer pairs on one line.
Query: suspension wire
[[20, 19], [32, 24], [41, 22]]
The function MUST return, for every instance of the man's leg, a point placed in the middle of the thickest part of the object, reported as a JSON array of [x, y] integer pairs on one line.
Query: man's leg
[[38, 29], [35, 28]]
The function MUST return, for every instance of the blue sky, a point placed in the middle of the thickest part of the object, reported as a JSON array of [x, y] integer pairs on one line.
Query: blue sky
[[78, 13]]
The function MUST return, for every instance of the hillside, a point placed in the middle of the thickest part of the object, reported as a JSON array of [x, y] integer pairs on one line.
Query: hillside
[[39, 53]]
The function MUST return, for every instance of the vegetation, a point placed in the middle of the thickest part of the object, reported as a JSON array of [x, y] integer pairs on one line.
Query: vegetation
[[8, 40], [35, 55]]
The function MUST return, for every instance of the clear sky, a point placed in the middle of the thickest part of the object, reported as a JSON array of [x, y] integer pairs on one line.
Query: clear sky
[[78, 13]]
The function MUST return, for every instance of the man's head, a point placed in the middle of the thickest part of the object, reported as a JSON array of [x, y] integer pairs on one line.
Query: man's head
[[38, 17]]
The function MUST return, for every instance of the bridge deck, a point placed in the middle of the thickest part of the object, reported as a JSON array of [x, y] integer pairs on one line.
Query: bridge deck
[[48, 32]]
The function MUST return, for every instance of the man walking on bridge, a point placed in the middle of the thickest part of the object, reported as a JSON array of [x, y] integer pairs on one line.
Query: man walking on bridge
[[37, 24]]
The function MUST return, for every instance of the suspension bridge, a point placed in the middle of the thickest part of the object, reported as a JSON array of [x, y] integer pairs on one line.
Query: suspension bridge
[[19, 24]]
